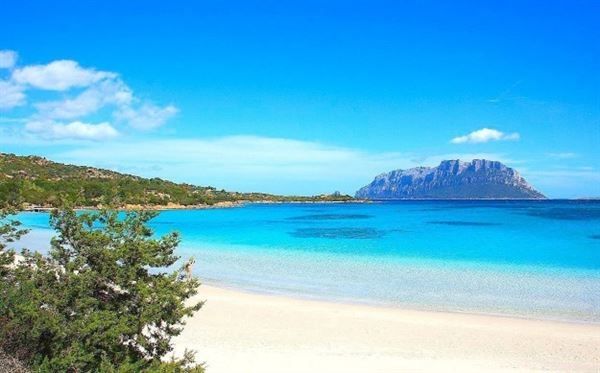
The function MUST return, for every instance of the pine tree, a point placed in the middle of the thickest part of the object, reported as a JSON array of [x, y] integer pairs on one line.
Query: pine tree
[[102, 300]]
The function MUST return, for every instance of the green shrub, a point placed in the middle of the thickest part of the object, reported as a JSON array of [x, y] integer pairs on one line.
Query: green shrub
[[101, 300]]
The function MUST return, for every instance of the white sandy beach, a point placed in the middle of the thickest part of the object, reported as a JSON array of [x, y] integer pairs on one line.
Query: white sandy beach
[[242, 332]]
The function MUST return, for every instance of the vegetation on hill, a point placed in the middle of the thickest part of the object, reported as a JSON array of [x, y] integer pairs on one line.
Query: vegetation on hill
[[102, 300], [38, 181]]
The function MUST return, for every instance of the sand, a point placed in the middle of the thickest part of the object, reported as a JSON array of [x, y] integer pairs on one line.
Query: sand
[[244, 332]]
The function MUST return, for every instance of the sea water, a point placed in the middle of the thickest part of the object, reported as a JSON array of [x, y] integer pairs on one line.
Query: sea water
[[534, 259]]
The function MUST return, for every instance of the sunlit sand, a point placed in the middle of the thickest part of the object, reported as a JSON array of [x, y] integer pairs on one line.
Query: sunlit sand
[[243, 332]]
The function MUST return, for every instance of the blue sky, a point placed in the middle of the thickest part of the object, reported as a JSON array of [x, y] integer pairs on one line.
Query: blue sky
[[305, 97]]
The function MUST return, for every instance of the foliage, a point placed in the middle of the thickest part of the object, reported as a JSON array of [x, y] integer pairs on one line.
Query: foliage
[[9, 232], [37, 181], [101, 300]]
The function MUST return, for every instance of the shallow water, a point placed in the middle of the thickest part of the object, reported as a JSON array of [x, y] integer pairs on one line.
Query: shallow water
[[537, 259]]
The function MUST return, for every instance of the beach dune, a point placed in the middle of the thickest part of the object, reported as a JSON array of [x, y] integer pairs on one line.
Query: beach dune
[[244, 332]]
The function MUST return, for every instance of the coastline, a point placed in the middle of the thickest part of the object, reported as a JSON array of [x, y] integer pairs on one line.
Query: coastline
[[129, 207], [241, 203], [371, 303], [216, 205], [240, 331]]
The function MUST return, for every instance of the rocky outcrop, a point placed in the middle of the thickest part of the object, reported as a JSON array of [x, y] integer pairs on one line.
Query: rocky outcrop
[[452, 179]]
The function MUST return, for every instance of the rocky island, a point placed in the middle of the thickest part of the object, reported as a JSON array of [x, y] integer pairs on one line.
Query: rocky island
[[452, 179]]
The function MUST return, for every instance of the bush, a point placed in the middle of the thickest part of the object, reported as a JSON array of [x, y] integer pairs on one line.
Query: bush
[[101, 300]]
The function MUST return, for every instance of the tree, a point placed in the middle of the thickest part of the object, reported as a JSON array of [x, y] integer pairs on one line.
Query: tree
[[102, 300], [9, 232]]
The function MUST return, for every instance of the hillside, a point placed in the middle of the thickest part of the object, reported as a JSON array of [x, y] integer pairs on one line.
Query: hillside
[[452, 179], [33, 180]]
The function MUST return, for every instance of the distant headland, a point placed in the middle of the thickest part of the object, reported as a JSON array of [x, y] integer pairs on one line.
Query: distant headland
[[452, 179], [37, 183]]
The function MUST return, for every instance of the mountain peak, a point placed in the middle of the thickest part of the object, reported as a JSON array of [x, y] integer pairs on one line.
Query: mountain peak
[[452, 179]]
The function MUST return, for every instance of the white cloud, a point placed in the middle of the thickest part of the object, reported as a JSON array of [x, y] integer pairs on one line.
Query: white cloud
[[251, 163], [568, 183], [106, 92], [13, 120], [74, 130], [246, 163], [59, 75], [8, 59], [485, 135], [97, 90], [565, 155], [146, 117], [11, 95]]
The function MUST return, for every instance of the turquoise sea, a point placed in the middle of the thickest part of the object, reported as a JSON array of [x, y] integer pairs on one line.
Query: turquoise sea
[[534, 259]]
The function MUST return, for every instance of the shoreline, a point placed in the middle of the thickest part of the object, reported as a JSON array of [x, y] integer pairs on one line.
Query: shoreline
[[388, 306], [175, 206], [242, 203], [241, 331]]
